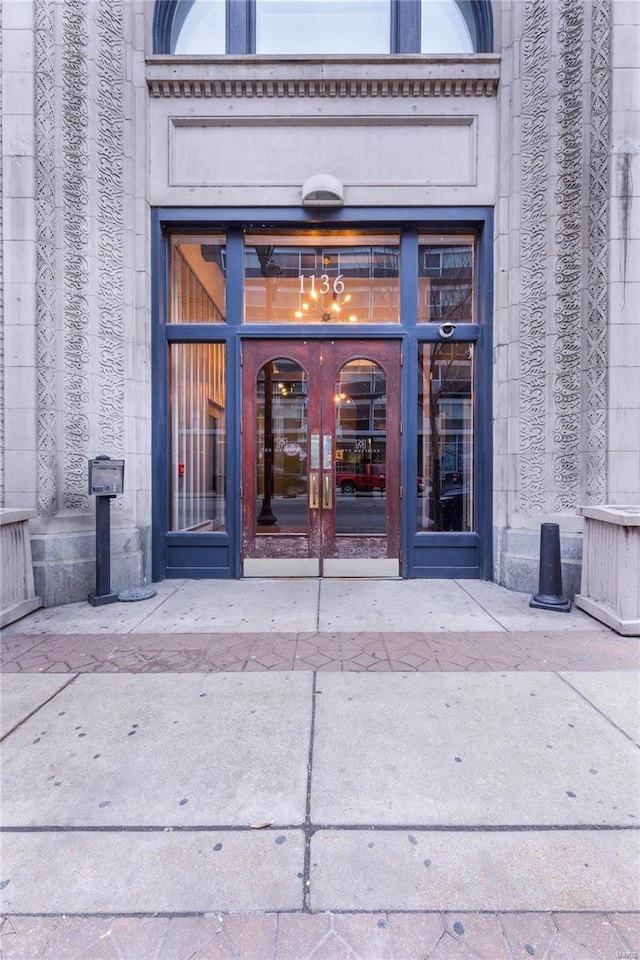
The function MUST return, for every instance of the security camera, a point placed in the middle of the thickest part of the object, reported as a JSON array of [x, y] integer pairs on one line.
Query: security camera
[[447, 330], [322, 190]]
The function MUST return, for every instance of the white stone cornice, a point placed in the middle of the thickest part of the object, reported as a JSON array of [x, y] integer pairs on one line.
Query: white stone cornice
[[333, 77]]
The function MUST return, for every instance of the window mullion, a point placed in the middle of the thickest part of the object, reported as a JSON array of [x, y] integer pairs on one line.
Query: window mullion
[[241, 26], [405, 26]]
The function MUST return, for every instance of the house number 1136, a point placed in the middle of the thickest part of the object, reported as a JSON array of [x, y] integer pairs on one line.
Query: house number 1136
[[325, 284]]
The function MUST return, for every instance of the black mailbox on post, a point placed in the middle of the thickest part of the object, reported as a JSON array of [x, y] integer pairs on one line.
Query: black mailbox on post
[[106, 480]]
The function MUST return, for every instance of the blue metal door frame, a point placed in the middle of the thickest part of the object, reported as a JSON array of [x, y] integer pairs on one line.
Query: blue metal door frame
[[425, 554]]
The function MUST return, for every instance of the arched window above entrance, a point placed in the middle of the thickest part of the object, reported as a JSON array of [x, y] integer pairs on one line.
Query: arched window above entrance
[[322, 27]]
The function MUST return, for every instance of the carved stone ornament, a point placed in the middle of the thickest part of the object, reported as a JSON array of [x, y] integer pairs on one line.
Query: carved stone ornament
[[563, 363], [111, 223], [534, 225], [46, 293], [1, 311], [80, 197], [595, 361], [567, 319], [75, 186]]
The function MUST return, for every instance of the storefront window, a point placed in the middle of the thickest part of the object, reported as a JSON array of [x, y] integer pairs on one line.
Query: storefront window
[[445, 437], [198, 279], [323, 278], [445, 280], [198, 437]]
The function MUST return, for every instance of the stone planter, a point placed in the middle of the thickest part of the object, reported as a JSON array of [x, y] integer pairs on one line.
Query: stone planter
[[17, 592], [610, 588]]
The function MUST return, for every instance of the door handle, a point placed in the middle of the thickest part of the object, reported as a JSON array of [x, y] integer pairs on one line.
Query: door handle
[[314, 491], [327, 499]]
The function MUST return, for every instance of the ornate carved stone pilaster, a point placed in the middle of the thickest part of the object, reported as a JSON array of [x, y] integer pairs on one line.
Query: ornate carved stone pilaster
[[1, 310], [534, 224], [111, 223], [567, 318], [595, 334], [46, 292], [75, 185], [563, 254], [80, 180]]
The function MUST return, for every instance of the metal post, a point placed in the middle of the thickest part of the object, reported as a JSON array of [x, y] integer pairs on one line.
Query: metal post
[[103, 593]]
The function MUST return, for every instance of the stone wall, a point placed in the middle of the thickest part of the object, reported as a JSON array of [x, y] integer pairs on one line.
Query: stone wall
[[559, 155], [77, 277], [551, 317], [623, 478]]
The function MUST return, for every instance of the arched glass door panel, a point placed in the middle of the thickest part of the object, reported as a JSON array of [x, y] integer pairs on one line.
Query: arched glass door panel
[[281, 448], [361, 448]]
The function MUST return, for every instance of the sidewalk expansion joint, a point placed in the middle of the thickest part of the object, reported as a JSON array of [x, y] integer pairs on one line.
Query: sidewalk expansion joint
[[44, 703], [460, 583], [597, 709], [310, 829], [215, 914]]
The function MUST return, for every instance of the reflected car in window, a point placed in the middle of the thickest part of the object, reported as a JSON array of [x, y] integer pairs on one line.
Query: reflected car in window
[[288, 484]]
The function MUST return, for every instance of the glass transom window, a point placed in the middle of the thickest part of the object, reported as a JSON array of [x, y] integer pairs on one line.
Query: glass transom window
[[198, 279], [322, 278], [445, 279], [322, 26], [443, 28], [200, 27]]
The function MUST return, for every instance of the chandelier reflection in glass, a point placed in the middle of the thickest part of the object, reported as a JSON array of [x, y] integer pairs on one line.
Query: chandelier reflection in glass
[[327, 299]]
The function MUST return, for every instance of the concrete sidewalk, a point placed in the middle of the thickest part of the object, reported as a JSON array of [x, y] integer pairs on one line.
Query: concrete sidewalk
[[456, 778], [309, 606]]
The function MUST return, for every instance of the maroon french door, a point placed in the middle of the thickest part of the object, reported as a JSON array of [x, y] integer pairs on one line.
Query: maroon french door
[[321, 458]]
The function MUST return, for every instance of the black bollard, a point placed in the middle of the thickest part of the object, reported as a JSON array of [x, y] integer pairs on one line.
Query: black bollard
[[549, 595]]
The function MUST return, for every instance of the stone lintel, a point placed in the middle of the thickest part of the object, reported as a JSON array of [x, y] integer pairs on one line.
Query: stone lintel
[[333, 77]]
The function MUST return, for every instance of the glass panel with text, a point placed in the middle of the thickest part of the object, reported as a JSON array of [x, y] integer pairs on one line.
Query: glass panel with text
[[332, 278]]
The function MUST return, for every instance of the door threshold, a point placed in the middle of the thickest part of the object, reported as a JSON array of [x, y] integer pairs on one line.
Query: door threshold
[[380, 568], [383, 568], [281, 567]]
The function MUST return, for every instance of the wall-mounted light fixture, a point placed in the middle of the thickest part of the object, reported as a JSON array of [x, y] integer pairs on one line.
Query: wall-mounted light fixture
[[322, 190]]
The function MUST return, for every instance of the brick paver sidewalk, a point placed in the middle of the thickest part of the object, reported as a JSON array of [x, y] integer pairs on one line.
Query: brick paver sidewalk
[[403, 652]]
